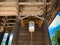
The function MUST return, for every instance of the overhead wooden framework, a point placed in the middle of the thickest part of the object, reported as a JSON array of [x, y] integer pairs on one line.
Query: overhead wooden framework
[[7, 23], [24, 9], [53, 16]]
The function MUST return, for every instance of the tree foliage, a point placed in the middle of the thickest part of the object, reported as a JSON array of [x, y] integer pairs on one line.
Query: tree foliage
[[56, 37]]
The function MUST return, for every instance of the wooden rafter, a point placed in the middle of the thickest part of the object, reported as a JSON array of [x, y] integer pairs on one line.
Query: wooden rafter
[[36, 3], [53, 16], [24, 3]]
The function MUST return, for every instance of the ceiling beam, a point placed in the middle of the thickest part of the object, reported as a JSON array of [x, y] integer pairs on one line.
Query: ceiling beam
[[8, 3], [53, 16], [25, 3], [35, 3]]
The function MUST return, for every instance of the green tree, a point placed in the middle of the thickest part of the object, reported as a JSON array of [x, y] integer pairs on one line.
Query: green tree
[[56, 37]]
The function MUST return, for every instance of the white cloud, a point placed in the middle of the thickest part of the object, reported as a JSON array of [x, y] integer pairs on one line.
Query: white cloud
[[55, 22]]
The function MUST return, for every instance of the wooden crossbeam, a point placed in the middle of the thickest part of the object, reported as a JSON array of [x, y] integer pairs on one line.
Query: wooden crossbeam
[[35, 3], [8, 14], [39, 17], [25, 3], [10, 26], [32, 15], [8, 3]]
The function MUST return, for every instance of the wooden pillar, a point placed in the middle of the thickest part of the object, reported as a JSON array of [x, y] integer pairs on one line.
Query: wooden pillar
[[14, 38], [46, 33], [16, 31]]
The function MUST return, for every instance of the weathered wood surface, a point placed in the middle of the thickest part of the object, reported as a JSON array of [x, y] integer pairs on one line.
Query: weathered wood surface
[[14, 8]]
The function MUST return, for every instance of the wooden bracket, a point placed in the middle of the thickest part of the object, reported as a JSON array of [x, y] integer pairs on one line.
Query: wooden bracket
[[32, 15]]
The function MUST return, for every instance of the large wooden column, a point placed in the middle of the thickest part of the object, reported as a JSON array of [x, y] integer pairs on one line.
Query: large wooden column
[[46, 33], [16, 32]]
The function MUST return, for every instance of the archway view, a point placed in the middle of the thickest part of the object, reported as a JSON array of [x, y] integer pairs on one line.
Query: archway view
[[7, 39], [4, 39], [54, 30]]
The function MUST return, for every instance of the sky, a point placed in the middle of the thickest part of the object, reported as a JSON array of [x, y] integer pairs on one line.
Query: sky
[[5, 39], [54, 25]]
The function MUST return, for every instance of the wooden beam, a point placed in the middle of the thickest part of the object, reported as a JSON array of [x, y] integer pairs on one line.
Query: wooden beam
[[11, 26], [8, 3], [25, 3], [24, 17], [39, 17], [8, 14], [35, 3], [53, 16]]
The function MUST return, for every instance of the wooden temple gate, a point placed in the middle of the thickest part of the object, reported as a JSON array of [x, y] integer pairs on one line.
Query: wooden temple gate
[[15, 16]]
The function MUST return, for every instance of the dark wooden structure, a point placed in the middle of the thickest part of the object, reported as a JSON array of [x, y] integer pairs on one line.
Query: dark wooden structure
[[16, 14]]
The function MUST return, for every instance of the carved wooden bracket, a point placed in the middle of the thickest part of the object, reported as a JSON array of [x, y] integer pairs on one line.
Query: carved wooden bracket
[[25, 22], [31, 15]]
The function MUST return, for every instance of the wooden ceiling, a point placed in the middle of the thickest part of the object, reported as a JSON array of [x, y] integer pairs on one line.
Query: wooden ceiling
[[22, 9]]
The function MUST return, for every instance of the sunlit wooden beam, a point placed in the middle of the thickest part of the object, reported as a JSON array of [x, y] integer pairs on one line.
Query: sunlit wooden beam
[[25, 3], [35, 3], [8, 14], [8, 3]]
